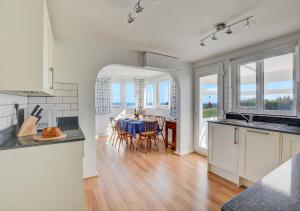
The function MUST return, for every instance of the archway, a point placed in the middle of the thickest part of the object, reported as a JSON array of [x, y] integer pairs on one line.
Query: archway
[[113, 73]]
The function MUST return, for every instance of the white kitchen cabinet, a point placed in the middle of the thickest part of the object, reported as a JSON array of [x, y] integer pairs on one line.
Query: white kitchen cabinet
[[290, 146], [160, 61], [223, 147], [45, 177], [259, 153], [26, 51]]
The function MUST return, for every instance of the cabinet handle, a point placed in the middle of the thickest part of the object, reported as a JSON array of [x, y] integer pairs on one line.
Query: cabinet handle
[[258, 132], [235, 130], [52, 72]]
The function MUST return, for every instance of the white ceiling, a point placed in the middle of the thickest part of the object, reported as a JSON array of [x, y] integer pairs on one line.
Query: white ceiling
[[174, 27], [118, 71]]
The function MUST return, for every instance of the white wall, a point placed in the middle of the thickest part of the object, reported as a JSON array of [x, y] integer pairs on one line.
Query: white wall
[[80, 62], [185, 108]]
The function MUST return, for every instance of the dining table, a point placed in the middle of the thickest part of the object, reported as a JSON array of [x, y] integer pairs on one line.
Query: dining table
[[133, 126]]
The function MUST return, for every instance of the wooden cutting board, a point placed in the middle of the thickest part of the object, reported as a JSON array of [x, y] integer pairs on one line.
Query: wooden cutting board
[[40, 138]]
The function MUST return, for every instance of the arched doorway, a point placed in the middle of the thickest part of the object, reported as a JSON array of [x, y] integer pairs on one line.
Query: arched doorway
[[114, 102]]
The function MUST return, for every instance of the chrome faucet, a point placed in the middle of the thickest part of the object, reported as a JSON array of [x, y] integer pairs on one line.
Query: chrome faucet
[[248, 120]]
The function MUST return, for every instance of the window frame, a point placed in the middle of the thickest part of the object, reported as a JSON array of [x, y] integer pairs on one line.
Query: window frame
[[125, 103], [158, 105], [112, 103], [258, 58], [145, 94]]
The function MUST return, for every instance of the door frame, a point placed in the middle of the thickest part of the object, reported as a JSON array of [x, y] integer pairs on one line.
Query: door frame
[[201, 72]]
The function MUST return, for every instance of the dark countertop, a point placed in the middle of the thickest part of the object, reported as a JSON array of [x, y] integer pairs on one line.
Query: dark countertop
[[8, 139], [260, 125], [279, 190]]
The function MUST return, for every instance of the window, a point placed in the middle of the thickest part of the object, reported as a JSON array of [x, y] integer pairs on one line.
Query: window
[[163, 91], [267, 85], [278, 82], [247, 85], [116, 94], [130, 94], [149, 95]]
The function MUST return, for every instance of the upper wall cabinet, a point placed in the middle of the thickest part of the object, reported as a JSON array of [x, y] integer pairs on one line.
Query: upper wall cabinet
[[26, 52], [160, 61]]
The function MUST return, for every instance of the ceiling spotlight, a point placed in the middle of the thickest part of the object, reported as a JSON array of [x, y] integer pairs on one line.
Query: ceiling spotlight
[[130, 18], [138, 7], [214, 37], [247, 24], [202, 43], [229, 31], [155, 2]]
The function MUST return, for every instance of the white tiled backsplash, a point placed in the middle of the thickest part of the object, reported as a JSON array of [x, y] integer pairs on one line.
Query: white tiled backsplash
[[7, 109], [65, 102]]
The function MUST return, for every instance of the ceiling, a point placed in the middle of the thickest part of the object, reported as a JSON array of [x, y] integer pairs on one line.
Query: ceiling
[[173, 27], [119, 71]]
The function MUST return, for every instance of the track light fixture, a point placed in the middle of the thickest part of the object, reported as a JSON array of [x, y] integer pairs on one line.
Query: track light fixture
[[223, 26], [130, 18], [138, 7], [247, 25], [229, 31], [136, 10], [214, 37]]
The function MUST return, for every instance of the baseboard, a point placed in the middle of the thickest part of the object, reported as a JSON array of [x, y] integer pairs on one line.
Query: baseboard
[[201, 153], [224, 174], [183, 153], [89, 176]]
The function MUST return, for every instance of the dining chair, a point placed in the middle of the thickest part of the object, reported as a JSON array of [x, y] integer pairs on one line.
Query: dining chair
[[113, 128], [149, 134], [123, 136], [161, 123]]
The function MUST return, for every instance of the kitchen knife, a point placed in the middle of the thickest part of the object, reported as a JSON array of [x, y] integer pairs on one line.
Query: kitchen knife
[[35, 110], [37, 115], [39, 118]]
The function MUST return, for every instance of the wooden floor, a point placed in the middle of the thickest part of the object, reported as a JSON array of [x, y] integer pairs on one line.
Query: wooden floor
[[133, 180]]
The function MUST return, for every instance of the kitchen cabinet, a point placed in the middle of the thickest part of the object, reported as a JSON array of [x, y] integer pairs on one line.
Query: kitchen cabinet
[[160, 61], [223, 147], [259, 153], [290, 146], [27, 45], [42, 177]]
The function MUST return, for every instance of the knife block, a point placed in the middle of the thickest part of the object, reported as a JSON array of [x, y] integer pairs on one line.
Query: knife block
[[28, 128]]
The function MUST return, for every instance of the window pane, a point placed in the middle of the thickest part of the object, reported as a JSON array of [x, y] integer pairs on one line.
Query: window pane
[[130, 95], [278, 82], [248, 85], [209, 96], [164, 93], [116, 94], [149, 94]]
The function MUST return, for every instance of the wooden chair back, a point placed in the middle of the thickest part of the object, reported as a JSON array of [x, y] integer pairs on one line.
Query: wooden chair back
[[161, 122], [112, 122], [150, 126]]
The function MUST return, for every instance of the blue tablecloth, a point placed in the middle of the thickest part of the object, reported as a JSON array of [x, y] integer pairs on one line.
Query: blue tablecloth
[[133, 126]]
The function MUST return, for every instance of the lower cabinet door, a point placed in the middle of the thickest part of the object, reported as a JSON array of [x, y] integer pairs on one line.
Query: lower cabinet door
[[290, 146], [259, 153], [223, 147]]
